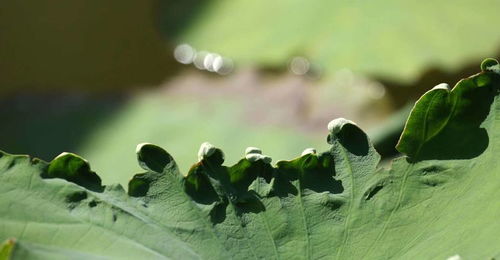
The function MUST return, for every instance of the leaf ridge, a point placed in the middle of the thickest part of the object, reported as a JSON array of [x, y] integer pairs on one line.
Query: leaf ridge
[[247, 240], [351, 203], [396, 207], [268, 229], [304, 220], [266, 223], [204, 220]]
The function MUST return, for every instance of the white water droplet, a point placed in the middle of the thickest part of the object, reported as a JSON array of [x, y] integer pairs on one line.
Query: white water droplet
[[139, 147], [199, 60], [454, 257], [72, 154], [300, 65], [222, 65], [491, 65], [376, 91], [253, 157], [218, 63], [444, 86], [308, 151], [336, 125], [494, 68], [251, 149], [62, 154], [267, 159], [208, 62], [206, 149], [184, 53]]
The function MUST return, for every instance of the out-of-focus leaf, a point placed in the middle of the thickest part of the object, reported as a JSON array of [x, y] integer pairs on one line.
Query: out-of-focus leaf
[[390, 39]]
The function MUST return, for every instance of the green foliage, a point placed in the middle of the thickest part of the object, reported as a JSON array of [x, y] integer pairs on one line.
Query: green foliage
[[450, 118], [391, 38], [438, 201], [6, 249], [175, 121]]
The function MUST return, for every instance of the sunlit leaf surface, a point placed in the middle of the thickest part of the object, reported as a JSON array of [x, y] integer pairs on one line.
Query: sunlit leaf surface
[[438, 201]]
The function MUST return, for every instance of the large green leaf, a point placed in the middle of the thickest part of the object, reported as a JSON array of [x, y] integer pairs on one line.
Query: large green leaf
[[440, 200]]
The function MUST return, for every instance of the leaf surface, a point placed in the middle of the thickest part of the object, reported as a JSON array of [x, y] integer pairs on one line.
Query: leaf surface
[[438, 201]]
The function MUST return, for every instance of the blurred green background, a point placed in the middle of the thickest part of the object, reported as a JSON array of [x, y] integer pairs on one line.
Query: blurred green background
[[98, 77]]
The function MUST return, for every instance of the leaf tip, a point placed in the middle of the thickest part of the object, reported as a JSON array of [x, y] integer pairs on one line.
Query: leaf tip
[[490, 64], [138, 186], [73, 168], [152, 157]]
